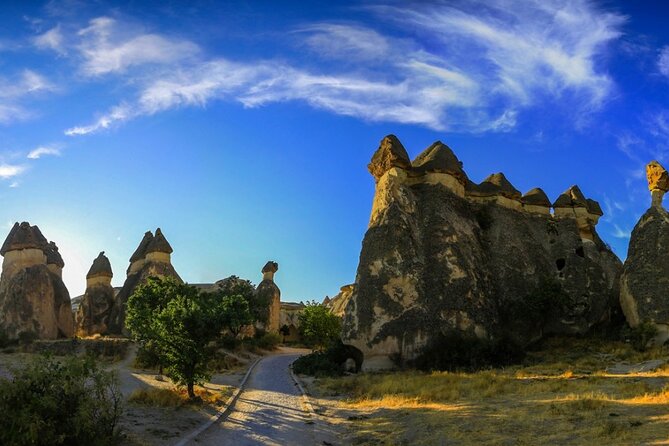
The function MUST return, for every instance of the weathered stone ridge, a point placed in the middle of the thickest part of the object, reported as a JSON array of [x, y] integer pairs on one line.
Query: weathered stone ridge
[[443, 253], [33, 297], [645, 280]]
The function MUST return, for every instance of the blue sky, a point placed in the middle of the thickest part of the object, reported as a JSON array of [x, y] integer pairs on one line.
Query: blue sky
[[243, 129]]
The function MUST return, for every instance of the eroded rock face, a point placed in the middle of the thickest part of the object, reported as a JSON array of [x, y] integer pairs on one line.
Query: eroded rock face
[[33, 297], [268, 292], [338, 303], [433, 260], [644, 285], [96, 304], [151, 259]]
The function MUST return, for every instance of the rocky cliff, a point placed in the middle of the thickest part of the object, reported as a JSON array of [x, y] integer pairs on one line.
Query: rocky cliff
[[33, 297], [151, 259], [442, 253], [94, 310], [645, 280]]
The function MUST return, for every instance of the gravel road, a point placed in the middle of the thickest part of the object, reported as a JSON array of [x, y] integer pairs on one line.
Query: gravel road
[[269, 411]]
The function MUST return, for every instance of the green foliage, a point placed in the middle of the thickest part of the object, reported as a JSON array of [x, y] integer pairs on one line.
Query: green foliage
[[234, 312], [177, 323], [458, 351], [319, 328], [266, 341], [329, 362], [49, 402], [641, 336], [27, 337], [234, 286], [4, 339]]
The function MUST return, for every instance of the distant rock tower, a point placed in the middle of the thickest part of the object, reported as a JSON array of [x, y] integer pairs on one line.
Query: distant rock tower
[[267, 291], [152, 258], [98, 300], [643, 286], [33, 297]]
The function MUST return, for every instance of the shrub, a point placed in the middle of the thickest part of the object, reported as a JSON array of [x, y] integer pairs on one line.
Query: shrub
[[319, 328], [329, 362], [457, 351], [50, 402], [641, 336], [147, 358], [4, 339], [267, 341], [27, 337]]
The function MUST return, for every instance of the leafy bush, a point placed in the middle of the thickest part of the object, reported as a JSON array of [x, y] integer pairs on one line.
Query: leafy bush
[[329, 362], [50, 402], [319, 328], [4, 339], [147, 358], [267, 341], [458, 351], [27, 337], [641, 336]]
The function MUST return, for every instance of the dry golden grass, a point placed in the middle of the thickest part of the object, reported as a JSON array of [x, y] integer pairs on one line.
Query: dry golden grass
[[176, 397], [563, 395]]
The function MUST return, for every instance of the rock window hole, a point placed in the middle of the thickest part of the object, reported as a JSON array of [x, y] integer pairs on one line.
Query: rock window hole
[[560, 263], [579, 251]]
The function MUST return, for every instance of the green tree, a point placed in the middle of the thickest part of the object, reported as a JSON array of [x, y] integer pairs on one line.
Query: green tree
[[233, 285], [319, 328], [179, 322], [234, 312], [53, 402]]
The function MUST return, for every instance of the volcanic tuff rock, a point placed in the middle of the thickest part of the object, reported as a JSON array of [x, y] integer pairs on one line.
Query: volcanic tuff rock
[[96, 304], [268, 292], [33, 297], [337, 304], [442, 253], [644, 286], [151, 259]]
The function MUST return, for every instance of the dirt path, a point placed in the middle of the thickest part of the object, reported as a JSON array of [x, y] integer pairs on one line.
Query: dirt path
[[270, 410]]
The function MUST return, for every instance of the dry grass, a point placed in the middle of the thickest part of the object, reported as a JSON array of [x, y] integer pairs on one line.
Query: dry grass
[[563, 395], [177, 397]]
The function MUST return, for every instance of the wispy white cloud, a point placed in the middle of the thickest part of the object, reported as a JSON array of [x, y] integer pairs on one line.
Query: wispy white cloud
[[10, 170], [471, 66], [28, 82], [42, 151], [106, 48], [663, 61], [14, 184], [619, 232], [52, 39]]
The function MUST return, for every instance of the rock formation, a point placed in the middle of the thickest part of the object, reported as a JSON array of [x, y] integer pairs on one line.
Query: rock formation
[[33, 297], [644, 285], [95, 307], [442, 253], [337, 304], [152, 258], [268, 292]]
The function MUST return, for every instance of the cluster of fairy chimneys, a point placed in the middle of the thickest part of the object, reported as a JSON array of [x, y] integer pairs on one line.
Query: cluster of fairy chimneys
[[439, 165], [26, 246]]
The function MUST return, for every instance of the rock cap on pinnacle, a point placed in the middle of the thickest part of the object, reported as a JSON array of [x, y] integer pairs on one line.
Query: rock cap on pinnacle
[[594, 207], [657, 176], [100, 267], [270, 267], [23, 236], [53, 257], [497, 184], [536, 197], [140, 252], [391, 153], [159, 244], [571, 198], [439, 158]]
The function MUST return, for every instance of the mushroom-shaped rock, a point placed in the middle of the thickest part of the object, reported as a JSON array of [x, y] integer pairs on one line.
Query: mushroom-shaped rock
[[269, 269], [497, 184], [658, 182], [23, 236], [140, 252], [536, 197], [269, 294], [571, 198], [159, 244], [441, 159], [100, 268], [391, 153], [53, 257]]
